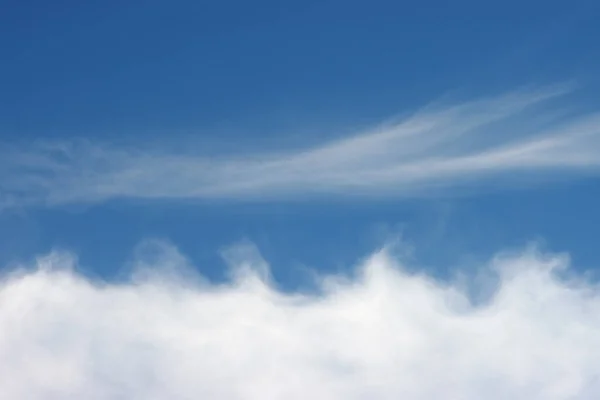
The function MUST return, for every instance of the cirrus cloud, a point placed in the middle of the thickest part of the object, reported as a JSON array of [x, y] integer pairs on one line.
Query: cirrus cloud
[[438, 148]]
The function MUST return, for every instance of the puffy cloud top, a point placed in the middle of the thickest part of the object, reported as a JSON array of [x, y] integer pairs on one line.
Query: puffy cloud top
[[381, 333]]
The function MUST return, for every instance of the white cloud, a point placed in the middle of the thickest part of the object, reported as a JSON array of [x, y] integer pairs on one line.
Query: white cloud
[[437, 148], [380, 334]]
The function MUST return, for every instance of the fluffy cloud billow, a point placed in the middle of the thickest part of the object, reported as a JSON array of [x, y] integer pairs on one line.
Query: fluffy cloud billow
[[378, 333]]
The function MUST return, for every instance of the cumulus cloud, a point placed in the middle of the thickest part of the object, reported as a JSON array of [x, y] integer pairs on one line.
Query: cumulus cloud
[[377, 333], [440, 147]]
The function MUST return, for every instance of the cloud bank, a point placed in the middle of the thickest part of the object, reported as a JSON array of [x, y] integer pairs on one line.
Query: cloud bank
[[380, 333], [440, 147]]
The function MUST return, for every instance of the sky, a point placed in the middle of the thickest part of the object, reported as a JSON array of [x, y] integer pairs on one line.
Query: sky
[[329, 200]]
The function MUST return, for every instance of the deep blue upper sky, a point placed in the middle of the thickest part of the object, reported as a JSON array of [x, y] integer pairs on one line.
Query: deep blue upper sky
[[153, 67], [262, 72]]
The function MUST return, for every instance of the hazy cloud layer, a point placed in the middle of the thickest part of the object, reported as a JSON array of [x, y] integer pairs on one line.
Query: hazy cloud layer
[[437, 148], [378, 334]]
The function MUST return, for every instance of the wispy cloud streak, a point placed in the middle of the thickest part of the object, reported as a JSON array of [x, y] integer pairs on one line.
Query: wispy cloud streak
[[436, 148]]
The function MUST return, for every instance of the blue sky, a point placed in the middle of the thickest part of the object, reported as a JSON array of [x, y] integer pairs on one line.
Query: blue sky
[[317, 131], [235, 77]]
